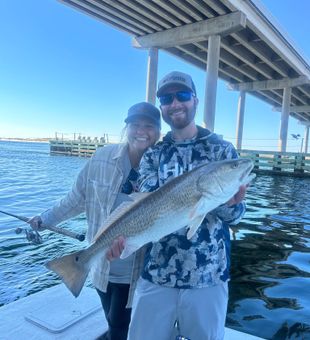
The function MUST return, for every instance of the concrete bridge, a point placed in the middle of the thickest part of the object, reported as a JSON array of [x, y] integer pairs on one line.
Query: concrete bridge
[[234, 40]]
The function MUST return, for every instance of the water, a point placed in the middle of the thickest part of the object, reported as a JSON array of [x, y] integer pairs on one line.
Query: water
[[30, 182], [269, 294]]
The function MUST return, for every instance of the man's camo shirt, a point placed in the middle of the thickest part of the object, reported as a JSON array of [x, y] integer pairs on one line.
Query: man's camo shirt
[[204, 260]]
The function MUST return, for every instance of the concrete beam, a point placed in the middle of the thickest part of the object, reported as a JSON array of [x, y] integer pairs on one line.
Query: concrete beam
[[198, 31], [270, 32], [270, 84], [301, 108], [151, 81]]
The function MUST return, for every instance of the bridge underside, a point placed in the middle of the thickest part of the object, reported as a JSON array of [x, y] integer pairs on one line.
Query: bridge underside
[[233, 40]]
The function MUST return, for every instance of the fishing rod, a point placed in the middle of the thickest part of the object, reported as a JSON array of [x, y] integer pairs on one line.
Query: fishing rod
[[58, 230]]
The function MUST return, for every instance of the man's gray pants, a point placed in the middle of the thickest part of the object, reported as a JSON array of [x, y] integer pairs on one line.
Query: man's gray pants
[[200, 312]]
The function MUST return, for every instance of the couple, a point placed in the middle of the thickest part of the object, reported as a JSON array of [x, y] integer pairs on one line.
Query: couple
[[180, 286]]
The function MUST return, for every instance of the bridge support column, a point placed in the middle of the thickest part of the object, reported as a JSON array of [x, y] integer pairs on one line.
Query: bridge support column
[[214, 42], [151, 81], [306, 138], [240, 119], [284, 118]]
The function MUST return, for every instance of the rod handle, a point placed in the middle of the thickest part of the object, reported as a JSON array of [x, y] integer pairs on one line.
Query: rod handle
[[65, 232]]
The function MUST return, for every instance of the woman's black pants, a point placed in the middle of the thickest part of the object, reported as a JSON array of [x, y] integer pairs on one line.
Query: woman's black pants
[[114, 304]]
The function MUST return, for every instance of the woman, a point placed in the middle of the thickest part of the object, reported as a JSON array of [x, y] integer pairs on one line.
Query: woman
[[105, 182]]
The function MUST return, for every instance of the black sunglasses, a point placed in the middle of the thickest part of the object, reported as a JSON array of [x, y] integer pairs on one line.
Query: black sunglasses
[[181, 96]]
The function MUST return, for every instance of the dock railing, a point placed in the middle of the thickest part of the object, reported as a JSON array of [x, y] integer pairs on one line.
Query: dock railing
[[282, 163], [78, 145], [265, 162]]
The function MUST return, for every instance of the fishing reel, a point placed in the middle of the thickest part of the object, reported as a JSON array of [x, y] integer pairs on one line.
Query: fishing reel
[[31, 235]]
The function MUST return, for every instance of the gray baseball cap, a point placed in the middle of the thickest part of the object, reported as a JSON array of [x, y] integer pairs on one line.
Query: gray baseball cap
[[176, 78], [143, 109]]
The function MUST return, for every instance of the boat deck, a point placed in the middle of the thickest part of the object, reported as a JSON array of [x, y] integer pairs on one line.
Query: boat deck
[[55, 314]]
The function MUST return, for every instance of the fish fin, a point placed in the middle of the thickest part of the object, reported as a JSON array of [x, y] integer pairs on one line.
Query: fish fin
[[196, 217], [198, 209], [194, 225], [138, 196], [129, 249], [72, 270], [119, 211]]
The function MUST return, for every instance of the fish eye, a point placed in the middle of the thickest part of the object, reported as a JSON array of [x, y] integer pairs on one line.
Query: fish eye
[[235, 165]]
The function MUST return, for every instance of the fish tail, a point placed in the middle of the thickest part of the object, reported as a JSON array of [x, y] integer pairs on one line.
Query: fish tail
[[72, 269]]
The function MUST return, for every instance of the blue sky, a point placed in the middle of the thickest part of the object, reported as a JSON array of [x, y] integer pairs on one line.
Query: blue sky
[[63, 71]]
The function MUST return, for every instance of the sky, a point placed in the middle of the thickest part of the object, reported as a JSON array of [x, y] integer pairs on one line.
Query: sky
[[63, 71]]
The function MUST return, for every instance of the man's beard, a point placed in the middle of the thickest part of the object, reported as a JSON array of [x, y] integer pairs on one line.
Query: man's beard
[[180, 122]]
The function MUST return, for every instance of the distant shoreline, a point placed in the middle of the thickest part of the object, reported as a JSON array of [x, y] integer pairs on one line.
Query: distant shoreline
[[27, 140]]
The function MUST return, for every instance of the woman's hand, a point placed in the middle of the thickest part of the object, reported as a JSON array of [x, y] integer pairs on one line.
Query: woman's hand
[[36, 223], [114, 252]]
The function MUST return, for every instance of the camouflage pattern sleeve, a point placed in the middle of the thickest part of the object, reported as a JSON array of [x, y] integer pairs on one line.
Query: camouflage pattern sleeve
[[148, 171], [232, 214], [229, 152]]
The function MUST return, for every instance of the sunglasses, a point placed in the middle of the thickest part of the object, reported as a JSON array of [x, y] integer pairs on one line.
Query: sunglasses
[[181, 96]]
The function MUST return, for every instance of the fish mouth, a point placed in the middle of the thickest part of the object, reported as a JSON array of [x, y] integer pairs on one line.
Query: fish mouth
[[246, 174]]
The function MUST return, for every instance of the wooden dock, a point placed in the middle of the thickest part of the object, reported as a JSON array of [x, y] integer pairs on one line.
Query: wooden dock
[[265, 162], [279, 163], [81, 147]]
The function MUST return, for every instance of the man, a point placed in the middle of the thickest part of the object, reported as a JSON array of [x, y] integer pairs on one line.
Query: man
[[184, 282]]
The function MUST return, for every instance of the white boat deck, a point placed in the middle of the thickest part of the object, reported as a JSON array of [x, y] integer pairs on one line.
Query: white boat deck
[[55, 314]]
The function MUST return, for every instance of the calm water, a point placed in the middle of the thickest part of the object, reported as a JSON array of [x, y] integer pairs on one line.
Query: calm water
[[269, 291]]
